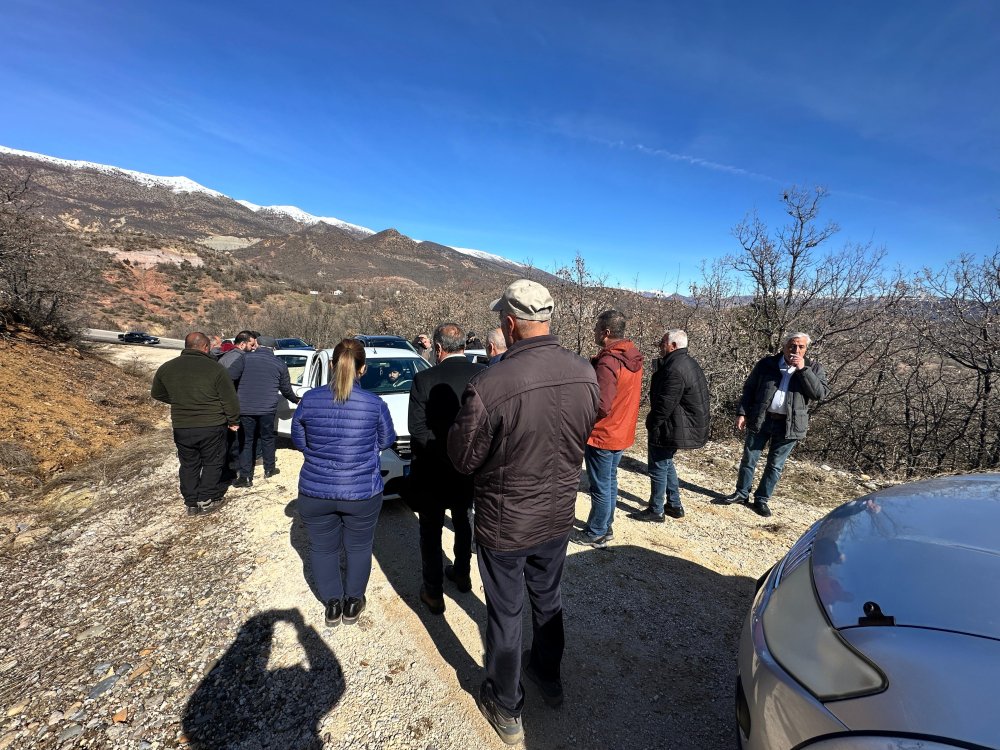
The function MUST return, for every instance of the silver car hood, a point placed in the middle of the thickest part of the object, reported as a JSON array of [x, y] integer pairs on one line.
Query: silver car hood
[[927, 553]]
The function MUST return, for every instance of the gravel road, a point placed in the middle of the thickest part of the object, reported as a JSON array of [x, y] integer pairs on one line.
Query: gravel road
[[127, 624]]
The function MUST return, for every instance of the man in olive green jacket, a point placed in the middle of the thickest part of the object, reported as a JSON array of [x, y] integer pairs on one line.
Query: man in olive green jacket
[[203, 405]]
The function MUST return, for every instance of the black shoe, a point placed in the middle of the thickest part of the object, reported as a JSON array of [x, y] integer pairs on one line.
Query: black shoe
[[674, 512], [552, 692], [589, 540], [334, 611], [434, 602], [736, 497], [268, 473], [508, 727], [648, 515], [462, 583], [760, 507], [610, 533], [205, 506], [243, 482], [353, 609]]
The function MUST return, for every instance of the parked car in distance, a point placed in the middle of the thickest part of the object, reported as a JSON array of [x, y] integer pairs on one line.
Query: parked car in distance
[[293, 343], [881, 626], [378, 341], [389, 375], [138, 337]]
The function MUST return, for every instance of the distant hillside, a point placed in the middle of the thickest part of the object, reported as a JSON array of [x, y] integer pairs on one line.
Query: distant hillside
[[322, 253]]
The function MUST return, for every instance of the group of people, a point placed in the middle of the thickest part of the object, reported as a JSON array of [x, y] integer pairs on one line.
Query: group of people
[[222, 408], [505, 440]]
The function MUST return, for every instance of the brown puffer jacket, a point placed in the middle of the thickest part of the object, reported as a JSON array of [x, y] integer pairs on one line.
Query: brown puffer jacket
[[521, 432]]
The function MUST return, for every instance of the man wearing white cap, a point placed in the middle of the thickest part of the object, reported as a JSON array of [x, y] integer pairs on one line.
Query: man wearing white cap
[[521, 433]]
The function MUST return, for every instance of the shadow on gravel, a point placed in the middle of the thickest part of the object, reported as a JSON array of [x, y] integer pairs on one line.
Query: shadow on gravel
[[651, 644], [298, 537], [650, 661], [242, 703], [397, 549]]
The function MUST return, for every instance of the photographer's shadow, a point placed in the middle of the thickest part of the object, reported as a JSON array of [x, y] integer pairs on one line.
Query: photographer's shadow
[[242, 703]]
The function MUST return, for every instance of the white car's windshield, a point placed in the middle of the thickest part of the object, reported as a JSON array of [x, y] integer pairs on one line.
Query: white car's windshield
[[296, 366], [391, 374]]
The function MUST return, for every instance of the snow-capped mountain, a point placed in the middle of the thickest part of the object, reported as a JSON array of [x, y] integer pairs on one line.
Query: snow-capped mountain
[[296, 213], [485, 255], [114, 204], [173, 184]]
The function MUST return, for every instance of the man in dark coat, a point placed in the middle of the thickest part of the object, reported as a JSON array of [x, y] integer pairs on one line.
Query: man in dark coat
[[435, 398], [265, 378], [203, 405], [775, 409], [521, 432], [678, 418]]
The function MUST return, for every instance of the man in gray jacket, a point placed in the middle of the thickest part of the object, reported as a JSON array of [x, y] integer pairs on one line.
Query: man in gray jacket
[[265, 378], [521, 432], [775, 409]]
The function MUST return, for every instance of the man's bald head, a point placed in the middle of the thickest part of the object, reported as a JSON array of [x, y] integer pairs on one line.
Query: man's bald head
[[196, 340]]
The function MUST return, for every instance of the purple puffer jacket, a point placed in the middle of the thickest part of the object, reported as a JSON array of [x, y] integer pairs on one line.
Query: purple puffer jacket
[[341, 443]]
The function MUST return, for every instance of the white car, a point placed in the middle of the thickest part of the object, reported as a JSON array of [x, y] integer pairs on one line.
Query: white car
[[389, 376], [880, 629]]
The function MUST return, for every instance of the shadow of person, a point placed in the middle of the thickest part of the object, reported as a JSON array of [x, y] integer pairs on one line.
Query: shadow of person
[[242, 703], [397, 549], [657, 650], [298, 537]]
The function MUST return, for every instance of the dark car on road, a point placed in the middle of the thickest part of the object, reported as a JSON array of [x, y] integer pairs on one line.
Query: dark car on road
[[293, 344], [138, 337]]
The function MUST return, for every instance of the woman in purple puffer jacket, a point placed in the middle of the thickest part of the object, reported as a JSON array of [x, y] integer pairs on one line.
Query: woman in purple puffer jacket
[[341, 429]]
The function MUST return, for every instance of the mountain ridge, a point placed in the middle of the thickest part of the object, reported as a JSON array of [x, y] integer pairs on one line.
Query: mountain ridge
[[320, 251]]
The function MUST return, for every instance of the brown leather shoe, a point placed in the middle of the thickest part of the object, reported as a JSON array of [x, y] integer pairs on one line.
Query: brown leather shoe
[[435, 603]]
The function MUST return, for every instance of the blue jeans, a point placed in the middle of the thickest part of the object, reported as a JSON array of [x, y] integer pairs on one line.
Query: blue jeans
[[772, 430], [602, 471], [336, 526], [662, 479]]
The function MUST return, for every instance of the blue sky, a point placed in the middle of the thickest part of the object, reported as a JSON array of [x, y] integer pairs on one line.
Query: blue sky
[[634, 133]]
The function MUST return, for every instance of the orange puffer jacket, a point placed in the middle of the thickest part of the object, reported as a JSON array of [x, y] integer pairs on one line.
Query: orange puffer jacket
[[619, 376]]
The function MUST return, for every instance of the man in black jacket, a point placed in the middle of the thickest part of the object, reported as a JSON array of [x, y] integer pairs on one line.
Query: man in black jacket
[[203, 404], [521, 432], [435, 399], [775, 409], [678, 418]]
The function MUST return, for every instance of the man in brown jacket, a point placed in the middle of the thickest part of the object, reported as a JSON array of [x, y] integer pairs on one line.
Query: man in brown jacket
[[521, 432], [619, 374]]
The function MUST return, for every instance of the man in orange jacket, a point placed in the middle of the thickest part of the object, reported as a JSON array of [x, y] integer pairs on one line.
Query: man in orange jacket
[[619, 376]]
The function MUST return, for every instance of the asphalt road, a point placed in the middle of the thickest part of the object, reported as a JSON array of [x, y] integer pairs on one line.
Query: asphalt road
[[111, 337]]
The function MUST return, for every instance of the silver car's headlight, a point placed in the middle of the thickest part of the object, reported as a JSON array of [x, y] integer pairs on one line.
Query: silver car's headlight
[[803, 642]]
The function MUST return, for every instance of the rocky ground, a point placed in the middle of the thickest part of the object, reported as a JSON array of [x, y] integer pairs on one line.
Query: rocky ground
[[125, 624]]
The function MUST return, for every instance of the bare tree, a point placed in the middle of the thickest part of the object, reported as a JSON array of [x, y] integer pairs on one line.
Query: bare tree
[[41, 275]]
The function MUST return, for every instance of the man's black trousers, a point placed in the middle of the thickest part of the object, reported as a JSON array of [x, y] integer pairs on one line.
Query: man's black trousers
[[202, 453], [505, 575], [432, 508]]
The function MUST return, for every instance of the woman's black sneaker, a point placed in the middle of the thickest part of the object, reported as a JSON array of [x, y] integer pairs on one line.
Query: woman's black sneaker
[[353, 609], [507, 727], [334, 611]]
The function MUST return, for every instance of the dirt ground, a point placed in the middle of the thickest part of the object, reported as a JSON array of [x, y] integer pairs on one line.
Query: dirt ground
[[204, 632]]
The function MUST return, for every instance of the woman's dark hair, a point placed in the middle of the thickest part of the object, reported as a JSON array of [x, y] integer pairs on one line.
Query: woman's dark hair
[[348, 359]]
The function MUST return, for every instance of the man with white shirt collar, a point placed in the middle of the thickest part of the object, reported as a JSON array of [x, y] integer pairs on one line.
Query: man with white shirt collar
[[775, 408]]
